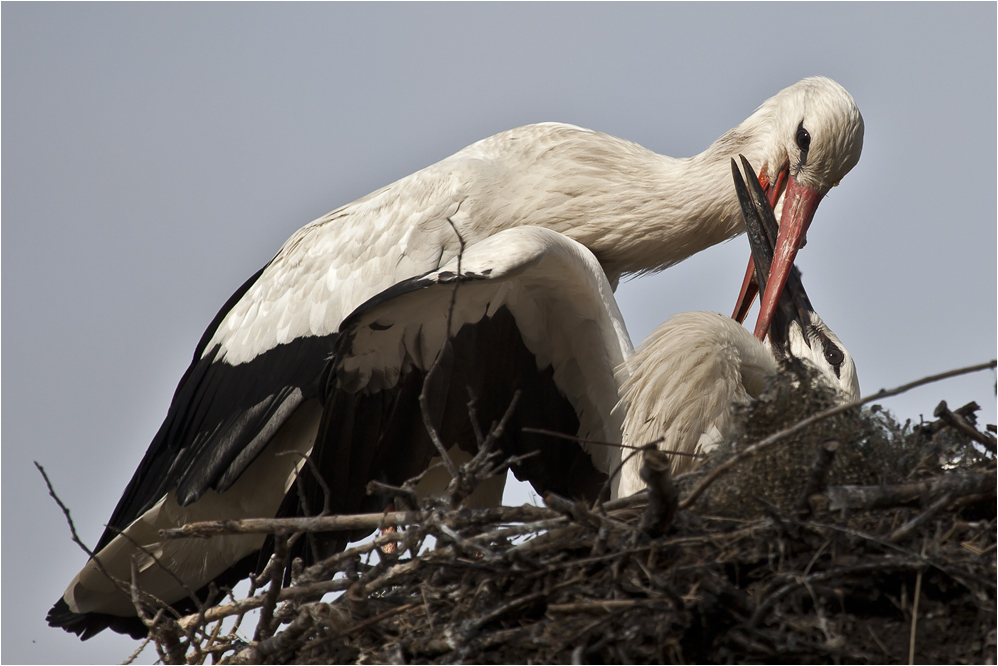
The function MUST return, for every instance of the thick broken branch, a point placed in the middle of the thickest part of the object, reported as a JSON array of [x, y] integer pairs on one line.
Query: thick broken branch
[[957, 421], [868, 498], [211, 528]]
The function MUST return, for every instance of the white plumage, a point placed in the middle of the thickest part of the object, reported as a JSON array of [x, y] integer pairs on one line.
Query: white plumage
[[555, 291], [636, 210], [258, 369], [680, 387], [682, 383]]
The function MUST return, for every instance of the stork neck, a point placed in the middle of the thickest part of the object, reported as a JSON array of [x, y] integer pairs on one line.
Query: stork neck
[[682, 206]]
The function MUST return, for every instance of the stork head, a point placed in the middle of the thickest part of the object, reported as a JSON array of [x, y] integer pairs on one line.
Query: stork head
[[796, 331], [806, 337], [814, 134], [811, 136]]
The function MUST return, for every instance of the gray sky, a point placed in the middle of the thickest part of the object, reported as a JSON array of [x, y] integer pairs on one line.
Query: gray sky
[[157, 155]]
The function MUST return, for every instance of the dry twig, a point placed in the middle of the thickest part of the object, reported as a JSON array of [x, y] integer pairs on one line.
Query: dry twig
[[595, 584]]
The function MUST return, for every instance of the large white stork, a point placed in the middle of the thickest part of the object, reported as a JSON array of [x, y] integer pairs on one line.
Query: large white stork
[[253, 392], [532, 312]]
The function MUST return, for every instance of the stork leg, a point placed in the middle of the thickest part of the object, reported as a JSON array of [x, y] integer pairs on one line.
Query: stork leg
[[389, 548], [487, 494]]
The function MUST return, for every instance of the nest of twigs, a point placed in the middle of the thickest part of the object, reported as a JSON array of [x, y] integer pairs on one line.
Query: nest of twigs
[[854, 539]]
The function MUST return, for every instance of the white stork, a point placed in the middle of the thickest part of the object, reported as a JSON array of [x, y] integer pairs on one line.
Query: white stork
[[252, 390], [681, 383], [533, 312]]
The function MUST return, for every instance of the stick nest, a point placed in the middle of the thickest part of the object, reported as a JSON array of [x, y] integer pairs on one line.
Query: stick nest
[[854, 540]]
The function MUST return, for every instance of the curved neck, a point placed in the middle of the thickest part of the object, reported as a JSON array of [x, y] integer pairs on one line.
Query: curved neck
[[675, 208]]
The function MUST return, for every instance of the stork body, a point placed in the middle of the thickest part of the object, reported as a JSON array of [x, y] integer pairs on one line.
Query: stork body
[[254, 383], [636, 210], [533, 312], [560, 323], [681, 385]]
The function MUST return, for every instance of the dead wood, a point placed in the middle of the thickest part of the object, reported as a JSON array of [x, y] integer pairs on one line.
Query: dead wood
[[871, 573], [853, 539]]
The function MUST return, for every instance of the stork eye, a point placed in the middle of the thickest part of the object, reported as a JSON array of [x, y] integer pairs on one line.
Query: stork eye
[[834, 355], [803, 139]]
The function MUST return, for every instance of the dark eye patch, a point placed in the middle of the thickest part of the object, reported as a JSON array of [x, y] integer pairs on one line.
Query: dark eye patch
[[833, 354]]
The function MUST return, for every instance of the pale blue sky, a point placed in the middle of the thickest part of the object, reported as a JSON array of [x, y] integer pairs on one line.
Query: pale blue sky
[[156, 155]]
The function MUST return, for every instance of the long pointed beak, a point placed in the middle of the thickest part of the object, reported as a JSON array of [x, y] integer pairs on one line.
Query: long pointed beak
[[750, 286], [762, 231], [799, 205]]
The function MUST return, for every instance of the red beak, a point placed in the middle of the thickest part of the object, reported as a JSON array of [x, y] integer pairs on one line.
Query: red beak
[[747, 294], [799, 205]]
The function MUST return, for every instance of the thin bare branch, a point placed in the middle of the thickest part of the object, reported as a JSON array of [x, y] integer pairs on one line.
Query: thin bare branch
[[435, 366], [265, 627], [326, 495], [616, 445]]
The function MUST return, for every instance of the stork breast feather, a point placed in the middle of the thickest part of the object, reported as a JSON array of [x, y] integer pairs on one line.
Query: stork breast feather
[[685, 376]]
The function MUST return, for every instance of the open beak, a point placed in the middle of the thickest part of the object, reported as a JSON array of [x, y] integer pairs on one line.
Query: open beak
[[750, 286], [799, 204], [790, 300]]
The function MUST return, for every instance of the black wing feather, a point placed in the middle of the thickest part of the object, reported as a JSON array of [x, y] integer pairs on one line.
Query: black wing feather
[[381, 436], [220, 417]]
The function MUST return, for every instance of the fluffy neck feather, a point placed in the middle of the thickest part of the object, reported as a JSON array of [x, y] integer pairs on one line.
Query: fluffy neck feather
[[683, 381], [641, 212]]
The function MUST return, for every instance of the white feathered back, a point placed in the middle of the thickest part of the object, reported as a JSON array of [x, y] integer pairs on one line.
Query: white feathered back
[[683, 380]]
